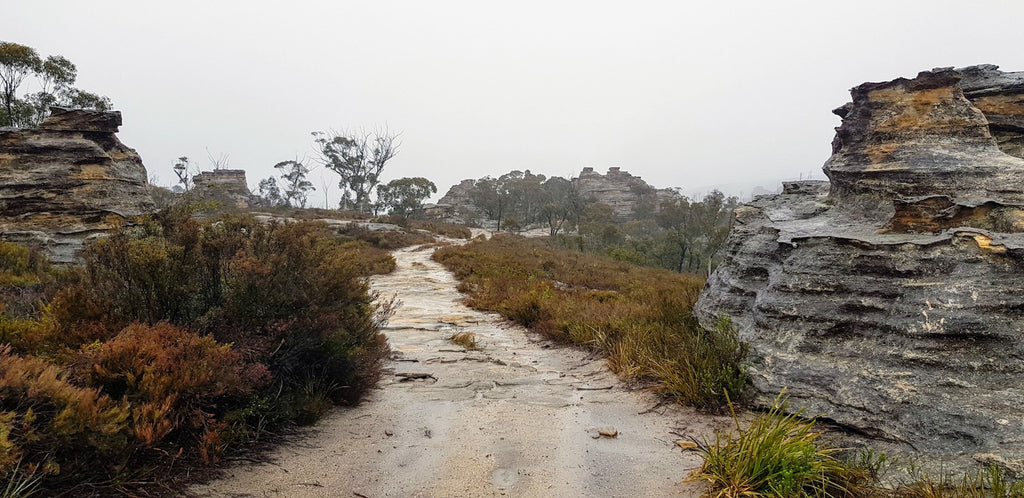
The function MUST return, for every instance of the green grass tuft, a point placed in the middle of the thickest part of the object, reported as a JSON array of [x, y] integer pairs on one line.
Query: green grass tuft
[[776, 456]]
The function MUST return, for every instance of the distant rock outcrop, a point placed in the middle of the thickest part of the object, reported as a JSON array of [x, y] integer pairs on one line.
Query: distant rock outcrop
[[226, 186], [68, 180], [456, 205], [890, 300], [626, 194]]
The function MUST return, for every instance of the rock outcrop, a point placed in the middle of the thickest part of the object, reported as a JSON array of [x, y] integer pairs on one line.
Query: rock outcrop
[[68, 180], [457, 205], [626, 194], [225, 186], [890, 300]]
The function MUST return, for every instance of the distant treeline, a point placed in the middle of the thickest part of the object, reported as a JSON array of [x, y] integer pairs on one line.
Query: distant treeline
[[668, 230]]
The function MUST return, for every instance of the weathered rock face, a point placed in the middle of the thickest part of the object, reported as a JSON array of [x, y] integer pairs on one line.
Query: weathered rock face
[[626, 194], [890, 300], [456, 206], [68, 180], [227, 186]]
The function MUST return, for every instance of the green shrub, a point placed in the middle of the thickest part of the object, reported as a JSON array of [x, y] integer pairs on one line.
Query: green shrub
[[707, 368], [776, 456]]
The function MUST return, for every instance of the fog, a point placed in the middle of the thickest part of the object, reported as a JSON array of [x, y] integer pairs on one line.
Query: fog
[[688, 94]]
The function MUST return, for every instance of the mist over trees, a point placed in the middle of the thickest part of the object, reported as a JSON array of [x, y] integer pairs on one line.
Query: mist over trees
[[359, 160], [53, 77], [296, 186]]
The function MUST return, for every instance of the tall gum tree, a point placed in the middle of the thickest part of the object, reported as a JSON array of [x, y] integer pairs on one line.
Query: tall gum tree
[[359, 159]]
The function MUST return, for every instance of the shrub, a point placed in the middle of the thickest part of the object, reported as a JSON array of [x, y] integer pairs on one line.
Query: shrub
[[386, 239], [640, 317], [707, 367], [174, 380], [449, 230], [53, 424], [776, 456], [176, 341]]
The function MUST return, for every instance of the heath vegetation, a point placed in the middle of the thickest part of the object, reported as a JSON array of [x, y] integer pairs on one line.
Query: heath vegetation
[[640, 317], [176, 343]]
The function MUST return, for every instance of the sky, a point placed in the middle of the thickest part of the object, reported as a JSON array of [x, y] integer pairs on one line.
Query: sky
[[689, 94]]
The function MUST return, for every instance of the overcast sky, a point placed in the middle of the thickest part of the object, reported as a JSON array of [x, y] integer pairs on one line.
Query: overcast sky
[[683, 93]]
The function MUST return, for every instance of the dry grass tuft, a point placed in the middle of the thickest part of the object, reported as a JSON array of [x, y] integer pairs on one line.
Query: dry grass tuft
[[465, 339]]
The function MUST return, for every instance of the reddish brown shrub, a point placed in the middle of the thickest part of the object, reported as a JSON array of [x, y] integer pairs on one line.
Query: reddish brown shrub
[[173, 379], [47, 420]]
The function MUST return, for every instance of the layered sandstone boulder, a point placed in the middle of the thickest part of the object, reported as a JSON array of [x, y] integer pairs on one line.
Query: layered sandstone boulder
[[225, 186], [890, 299], [68, 180]]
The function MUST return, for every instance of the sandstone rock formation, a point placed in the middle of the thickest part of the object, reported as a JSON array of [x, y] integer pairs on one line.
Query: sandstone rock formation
[[226, 186], [890, 300], [456, 205], [68, 180], [626, 194]]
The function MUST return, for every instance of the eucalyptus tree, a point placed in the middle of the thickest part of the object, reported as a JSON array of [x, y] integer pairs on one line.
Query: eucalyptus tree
[[54, 77], [359, 159], [296, 186], [17, 62], [404, 196]]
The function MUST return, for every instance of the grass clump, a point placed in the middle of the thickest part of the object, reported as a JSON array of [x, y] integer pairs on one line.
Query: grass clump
[[779, 455], [640, 317], [987, 482], [776, 456], [465, 339]]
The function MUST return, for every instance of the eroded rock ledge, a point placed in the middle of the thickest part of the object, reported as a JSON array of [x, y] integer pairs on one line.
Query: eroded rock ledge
[[68, 180], [890, 300]]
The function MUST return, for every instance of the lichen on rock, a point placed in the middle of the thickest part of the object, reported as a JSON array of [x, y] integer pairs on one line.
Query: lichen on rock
[[889, 300]]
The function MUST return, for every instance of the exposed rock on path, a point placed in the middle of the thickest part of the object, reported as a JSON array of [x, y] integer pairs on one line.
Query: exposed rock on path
[[516, 417]]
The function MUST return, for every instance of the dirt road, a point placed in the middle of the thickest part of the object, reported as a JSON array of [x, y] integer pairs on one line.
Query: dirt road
[[518, 417]]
